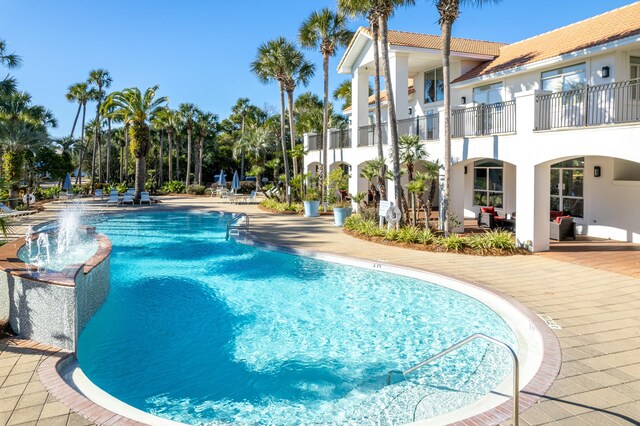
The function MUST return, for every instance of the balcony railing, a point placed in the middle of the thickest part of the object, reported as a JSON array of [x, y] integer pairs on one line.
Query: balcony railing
[[315, 142], [426, 127], [611, 103], [484, 120], [367, 136], [340, 139]]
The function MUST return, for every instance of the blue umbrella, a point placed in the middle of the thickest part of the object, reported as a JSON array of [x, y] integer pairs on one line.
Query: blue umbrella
[[66, 185], [221, 179], [235, 183]]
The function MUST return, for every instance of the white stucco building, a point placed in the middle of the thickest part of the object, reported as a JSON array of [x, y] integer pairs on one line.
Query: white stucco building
[[548, 123]]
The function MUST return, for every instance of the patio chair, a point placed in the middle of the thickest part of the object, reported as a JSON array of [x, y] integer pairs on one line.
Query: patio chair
[[131, 191], [127, 198], [251, 199], [488, 218], [562, 228], [113, 198], [144, 198], [8, 211], [98, 193]]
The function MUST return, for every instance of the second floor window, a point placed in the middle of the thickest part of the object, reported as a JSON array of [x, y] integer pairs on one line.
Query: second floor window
[[489, 94], [433, 86], [563, 79], [635, 75]]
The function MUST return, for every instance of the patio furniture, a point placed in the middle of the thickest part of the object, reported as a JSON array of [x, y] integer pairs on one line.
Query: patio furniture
[[8, 211], [98, 193], [488, 218], [127, 198], [562, 228], [113, 198], [144, 198]]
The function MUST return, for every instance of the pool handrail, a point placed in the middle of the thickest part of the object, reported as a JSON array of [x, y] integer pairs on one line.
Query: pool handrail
[[514, 358], [233, 224]]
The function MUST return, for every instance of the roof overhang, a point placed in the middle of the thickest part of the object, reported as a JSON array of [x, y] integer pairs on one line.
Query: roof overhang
[[353, 52]]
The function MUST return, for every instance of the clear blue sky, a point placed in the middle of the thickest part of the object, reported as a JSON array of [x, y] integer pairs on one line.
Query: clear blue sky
[[199, 51]]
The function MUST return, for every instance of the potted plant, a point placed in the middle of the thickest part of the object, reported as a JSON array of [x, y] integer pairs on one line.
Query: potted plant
[[337, 195], [311, 203]]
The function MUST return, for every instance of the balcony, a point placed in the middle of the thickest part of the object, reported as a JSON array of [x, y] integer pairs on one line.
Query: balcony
[[484, 120], [613, 103], [339, 139]]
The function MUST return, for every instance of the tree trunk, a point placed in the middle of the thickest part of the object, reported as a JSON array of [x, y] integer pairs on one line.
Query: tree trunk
[[100, 159], [284, 146], [160, 163], [188, 157], [200, 160], [126, 153], [446, 71], [177, 157], [393, 122], [108, 150], [79, 176], [242, 150], [378, 107], [292, 132], [141, 173], [121, 161], [325, 125], [169, 155], [75, 121]]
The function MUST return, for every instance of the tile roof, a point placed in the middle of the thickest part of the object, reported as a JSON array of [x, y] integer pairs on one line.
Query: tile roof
[[610, 26], [428, 41]]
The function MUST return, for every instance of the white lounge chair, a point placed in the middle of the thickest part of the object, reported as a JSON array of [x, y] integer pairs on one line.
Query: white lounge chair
[[98, 193], [8, 211], [113, 198], [251, 199], [127, 198], [144, 198]]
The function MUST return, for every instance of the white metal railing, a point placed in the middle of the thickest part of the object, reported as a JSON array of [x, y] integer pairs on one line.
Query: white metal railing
[[234, 224]]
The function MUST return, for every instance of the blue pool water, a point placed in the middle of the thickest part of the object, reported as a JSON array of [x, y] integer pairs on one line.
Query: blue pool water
[[204, 331]]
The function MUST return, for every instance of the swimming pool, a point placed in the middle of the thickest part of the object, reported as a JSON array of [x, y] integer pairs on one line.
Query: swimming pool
[[200, 330]]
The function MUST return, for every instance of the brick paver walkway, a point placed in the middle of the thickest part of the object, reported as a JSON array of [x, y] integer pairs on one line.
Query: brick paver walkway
[[597, 308]]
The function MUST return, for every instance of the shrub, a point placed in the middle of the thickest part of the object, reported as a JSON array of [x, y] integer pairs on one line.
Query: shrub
[[453, 242], [246, 187], [172, 187], [426, 237], [392, 235], [409, 234], [50, 193], [493, 240], [370, 214], [278, 207], [196, 189]]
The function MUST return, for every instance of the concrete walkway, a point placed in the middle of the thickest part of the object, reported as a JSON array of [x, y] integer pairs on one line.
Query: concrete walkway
[[599, 383]]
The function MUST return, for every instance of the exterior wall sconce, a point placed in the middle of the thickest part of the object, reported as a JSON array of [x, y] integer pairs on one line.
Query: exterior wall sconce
[[597, 171], [410, 110], [464, 100], [605, 72], [465, 170]]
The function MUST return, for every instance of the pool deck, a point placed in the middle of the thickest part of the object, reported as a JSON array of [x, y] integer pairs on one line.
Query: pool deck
[[592, 295]]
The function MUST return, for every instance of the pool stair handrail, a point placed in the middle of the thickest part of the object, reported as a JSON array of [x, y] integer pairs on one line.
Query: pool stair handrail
[[235, 225], [514, 358]]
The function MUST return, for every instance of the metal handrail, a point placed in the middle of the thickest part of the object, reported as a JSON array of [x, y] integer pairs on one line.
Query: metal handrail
[[514, 357], [232, 224]]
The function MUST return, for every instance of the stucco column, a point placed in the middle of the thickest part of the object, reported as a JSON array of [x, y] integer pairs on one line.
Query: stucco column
[[533, 200], [456, 206], [359, 103], [526, 111]]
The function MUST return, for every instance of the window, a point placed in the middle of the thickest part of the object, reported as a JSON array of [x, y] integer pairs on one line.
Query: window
[[564, 79], [433, 86], [489, 94], [567, 187], [635, 75], [487, 183]]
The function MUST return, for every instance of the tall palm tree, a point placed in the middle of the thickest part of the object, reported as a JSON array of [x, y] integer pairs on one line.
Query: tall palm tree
[[79, 93], [168, 120], [369, 9], [107, 111], [327, 31], [139, 109], [240, 109], [271, 65], [299, 71], [449, 10], [411, 151], [206, 123], [101, 79], [188, 114]]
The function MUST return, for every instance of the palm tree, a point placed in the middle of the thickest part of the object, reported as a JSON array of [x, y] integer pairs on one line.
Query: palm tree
[[298, 71], [240, 110], [411, 151], [9, 60], [206, 123], [139, 109], [327, 31], [107, 111], [79, 93], [369, 172], [369, 9], [101, 79], [449, 10], [270, 65], [188, 114], [167, 119]]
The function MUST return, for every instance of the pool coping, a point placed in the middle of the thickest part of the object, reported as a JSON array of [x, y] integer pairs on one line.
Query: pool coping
[[532, 392]]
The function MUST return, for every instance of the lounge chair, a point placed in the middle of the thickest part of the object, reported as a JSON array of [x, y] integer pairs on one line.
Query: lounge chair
[[8, 211], [131, 191], [98, 193], [144, 198], [113, 198], [127, 198], [562, 228], [251, 199]]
